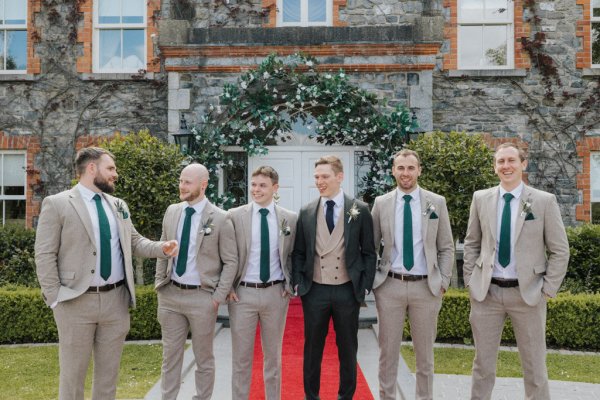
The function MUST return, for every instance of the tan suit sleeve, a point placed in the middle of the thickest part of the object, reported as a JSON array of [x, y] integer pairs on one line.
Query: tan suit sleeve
[[376, 213], [557, 247], [161, 263], [445, 245], [47, 244], [229, 258], [472, 248]]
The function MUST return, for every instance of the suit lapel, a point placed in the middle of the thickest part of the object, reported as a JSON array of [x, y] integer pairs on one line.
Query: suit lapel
[[172, 233], [281, 237], [390, 221], [491, 203], [312, 226], [425, 200], [247, 228], [111, 202], [81, 209], [525, 196], [205, 217], [348, 203]]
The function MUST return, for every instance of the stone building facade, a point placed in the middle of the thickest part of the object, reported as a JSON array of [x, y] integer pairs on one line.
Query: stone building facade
[[79, 70]]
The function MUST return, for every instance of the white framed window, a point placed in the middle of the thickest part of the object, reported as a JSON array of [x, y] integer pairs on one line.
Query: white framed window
[[595, 186], [304, 12], [13, 178], [596, 33], [485, 34], [13, 36], [119, 35]]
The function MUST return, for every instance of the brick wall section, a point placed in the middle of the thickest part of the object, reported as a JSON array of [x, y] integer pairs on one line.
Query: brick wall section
[[271, 5], [583, 212], [521, 30], [34, 65], [31, 145], [584, 31], [85, 36]]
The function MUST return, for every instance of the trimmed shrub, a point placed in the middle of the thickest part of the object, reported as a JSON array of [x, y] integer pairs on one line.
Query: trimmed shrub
[[573, 320], [583, 274], [17, 264]]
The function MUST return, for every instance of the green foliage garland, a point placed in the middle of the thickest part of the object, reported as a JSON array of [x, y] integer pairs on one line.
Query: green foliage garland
[[264, 104]]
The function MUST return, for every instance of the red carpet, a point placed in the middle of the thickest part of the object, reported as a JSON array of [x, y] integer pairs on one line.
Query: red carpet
[[293, 345]]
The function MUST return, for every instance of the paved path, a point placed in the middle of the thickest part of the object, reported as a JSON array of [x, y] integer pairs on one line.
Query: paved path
[[446, 387]]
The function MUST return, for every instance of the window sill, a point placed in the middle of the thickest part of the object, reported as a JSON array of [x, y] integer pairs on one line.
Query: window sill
[[119, 76], [482, 73], [591, 71], [18, 77]]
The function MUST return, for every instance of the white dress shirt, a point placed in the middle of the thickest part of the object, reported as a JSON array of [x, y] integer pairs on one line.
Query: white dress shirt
[[253, 263], [337, 208], [420, 264], [117, 272], [191, 276], [510, 271]]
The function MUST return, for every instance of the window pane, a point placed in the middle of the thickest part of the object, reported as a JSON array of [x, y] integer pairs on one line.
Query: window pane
[[16, 12], [291, 10], [595, 176], [133, 49], [596, 43], [1, 12], [1, 50], [110, 49], [317, 11], [471, 43], [596, 8], [471, 9], [109, 12], [496, 10], [16, 42], [13, 174], [133, 11], [494, 45], [14, 212]]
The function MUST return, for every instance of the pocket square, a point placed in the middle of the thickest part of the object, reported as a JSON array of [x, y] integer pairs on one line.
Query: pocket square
[[529, 217], [433, 215]]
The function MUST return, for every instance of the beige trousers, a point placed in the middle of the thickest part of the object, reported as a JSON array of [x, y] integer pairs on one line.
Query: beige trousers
[[394, 299], [529, 323], [181, 311], [93, 323], [268, 308]]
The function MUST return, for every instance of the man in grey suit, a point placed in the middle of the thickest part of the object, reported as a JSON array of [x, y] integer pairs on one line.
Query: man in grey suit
[[83, 248], [515, 258], [333, 266], [413, 226], [191, 286], [264, 234]]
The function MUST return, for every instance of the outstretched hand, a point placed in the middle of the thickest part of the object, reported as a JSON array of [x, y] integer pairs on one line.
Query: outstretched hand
[[170, 248]]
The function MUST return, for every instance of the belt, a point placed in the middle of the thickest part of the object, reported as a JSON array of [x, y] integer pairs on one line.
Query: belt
[[184, 286], [407, 277], [105, 288], [505, 283], [260, 285]]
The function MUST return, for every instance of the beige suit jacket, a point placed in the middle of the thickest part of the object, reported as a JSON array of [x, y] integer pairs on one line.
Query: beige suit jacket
[[242, 224], [65, 247], [541, 249], [216, 251], [436, 232]]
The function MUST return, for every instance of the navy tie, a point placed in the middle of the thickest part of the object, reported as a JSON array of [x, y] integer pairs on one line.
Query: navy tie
[[329, 215]]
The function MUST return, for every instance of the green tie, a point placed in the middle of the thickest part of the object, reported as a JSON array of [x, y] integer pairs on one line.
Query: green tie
[[105, 254], [265, 264], [407, 243], [504, 247], [185, 242]]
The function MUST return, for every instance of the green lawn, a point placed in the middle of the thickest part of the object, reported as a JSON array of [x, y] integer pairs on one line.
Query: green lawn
[[31, 373], [578, 368]]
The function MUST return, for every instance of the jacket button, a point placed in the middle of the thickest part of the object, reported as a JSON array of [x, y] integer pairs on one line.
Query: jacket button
[[338, 258], [93, 271], [322, 266], [322, 257], [336, 277], [337, 267], [94, 253]]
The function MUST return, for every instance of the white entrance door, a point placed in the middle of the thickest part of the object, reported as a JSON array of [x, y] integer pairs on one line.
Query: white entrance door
[[296, 170]]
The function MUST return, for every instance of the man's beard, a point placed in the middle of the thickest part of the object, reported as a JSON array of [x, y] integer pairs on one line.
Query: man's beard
[[103, 185], [192, 196]]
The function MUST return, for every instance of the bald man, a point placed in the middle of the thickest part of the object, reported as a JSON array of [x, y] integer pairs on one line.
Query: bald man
[[192, 285]]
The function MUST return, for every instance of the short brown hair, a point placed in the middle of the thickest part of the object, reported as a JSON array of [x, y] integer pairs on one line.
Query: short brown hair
[[335, 162], [507, 145], [267, 171], [406, 153], [87, 155]]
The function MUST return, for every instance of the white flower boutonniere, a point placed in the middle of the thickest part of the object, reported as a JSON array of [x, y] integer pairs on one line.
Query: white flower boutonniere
[[526, 210], [430, 209], [120, 206], [285, 229], [353, 213], [207, 227]]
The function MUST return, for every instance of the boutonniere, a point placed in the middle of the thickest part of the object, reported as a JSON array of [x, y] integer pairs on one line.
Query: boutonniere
[[353, 213], [207, 227], [526, 210], [285, 229], [430, 209], [120, 206]]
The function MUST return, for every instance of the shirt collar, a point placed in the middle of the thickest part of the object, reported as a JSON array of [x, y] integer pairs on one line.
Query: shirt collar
[[516, 192], [415, 194], [199, 207], [338, 199], [87, 194], [270, 207]]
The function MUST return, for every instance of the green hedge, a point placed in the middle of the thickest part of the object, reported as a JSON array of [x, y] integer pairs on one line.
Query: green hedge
[[573, 320], [17, 264]]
